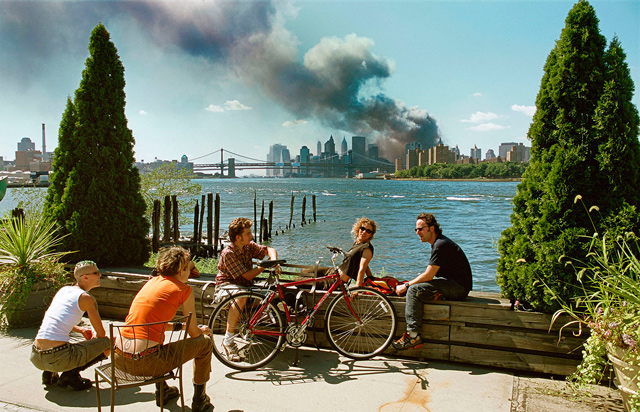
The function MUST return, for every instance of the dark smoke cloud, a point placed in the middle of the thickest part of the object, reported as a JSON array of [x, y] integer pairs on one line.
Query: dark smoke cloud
[[338, 82]]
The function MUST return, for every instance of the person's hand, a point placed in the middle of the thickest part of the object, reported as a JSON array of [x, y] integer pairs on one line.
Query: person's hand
[[205, 329], [87, 333], [278, 270], [401, 289]]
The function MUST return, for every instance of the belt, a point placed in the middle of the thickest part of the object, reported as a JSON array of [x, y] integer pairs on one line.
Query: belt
[[52, 350], [138, 355]]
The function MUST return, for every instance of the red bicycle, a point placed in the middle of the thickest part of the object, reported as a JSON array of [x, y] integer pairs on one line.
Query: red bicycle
[[248, 327]]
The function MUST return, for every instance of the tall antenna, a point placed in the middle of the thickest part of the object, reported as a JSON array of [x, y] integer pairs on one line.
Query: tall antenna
[[44, 145]]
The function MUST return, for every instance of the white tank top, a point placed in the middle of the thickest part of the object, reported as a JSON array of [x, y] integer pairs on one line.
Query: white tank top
[[63, 314]]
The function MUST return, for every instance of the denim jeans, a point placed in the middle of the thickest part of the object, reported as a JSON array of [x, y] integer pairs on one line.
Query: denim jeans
[[421, 293]]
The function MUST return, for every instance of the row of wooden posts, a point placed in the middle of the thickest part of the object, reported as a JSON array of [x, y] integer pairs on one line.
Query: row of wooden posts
[[171, 226]]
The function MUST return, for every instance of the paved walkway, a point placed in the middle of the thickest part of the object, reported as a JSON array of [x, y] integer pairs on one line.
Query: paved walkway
[[323, 381]]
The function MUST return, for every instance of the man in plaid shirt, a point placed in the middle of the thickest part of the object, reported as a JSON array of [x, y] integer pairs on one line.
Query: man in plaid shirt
[[235, 265], [236, 272]]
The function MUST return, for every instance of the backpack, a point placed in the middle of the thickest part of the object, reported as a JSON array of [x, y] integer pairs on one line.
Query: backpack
[[385, 284]]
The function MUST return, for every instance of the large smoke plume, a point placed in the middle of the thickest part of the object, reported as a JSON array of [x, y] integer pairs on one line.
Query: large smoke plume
[[338, 82]]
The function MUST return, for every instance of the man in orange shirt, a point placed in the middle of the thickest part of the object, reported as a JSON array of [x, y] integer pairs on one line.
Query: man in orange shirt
[[158, 301]]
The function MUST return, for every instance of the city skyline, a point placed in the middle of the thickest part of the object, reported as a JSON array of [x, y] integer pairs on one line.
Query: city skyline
[[468, 70]]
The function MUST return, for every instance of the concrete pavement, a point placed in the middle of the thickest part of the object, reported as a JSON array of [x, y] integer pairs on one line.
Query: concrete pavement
[[323, 381]]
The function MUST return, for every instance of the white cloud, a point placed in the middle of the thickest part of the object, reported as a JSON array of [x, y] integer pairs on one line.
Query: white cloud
[[142, 113], [235, 105], [477, 94], [486, 127], [214, 108], [528, 110], [294, 123], [479, 117]]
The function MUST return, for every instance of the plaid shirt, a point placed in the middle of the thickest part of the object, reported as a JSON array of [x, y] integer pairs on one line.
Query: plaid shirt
[[235, 262]]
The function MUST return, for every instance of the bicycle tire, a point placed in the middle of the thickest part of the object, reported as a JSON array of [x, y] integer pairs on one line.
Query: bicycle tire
[[255, 350], [368, 338]]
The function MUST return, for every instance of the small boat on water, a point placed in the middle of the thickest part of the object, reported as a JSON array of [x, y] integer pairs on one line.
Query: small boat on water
[[3, 186], [376, 174]]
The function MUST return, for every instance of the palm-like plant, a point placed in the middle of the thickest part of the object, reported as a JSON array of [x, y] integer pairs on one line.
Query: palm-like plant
[[28, 256]]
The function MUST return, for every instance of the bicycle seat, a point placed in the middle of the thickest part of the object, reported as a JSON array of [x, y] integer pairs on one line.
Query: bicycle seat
[[270, 263]]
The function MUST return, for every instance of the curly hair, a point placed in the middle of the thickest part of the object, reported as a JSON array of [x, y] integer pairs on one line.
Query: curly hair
[[430, 220], [363, 221], [236, 227], [171, 260]]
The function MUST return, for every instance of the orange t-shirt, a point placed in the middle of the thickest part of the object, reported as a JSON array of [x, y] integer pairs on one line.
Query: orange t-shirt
[[157, 301]]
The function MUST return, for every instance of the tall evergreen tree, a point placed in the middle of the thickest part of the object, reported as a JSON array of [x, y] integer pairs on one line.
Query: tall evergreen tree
[[100, 206], [61, 165], [569, 143]]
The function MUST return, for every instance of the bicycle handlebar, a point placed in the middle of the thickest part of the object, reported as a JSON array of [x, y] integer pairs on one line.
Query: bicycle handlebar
[[335, 250], [270, 263]]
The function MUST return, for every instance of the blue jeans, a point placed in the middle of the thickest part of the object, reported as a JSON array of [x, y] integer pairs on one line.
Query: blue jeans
[[421, 293]]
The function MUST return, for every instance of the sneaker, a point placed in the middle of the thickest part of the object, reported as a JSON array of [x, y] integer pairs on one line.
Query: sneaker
[[407, 342], [49, 378], [170, 392], [74, 381], [232, 351]]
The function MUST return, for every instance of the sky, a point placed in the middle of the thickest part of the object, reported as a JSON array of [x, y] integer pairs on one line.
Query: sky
[[207, 74]]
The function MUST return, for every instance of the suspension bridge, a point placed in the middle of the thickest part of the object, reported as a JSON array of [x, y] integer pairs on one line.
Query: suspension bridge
[[330, 166]]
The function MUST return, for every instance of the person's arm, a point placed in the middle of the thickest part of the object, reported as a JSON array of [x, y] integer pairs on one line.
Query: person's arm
[[364, 266], [193, 329], [88, 304], [425, 276]]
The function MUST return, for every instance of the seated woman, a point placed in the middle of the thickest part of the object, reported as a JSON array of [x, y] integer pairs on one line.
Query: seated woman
[[158, 301], [356, 261]]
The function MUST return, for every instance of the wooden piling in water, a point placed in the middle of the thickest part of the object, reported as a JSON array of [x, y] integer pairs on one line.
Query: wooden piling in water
[[291, 213], [199, 238], [313, 202], [196, 219], [155, 223], [167, 219], [270, 217], [209, 219], [176, 224], [304, 206], [216, 225], [261, 222]]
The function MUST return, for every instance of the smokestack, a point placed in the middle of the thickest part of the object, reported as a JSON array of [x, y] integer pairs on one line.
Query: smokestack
[[44, 145]]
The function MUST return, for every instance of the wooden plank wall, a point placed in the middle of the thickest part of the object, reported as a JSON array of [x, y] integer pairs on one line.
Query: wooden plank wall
[[482, 330]]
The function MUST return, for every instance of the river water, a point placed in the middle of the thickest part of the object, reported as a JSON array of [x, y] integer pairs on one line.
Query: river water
[[472, 213]]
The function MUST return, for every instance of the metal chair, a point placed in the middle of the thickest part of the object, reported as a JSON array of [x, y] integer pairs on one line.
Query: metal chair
[[145, 369]]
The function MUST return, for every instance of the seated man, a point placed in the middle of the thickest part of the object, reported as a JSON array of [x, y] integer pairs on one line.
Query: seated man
[[236, 271], [448, 276], [52, 352], [158, 301]]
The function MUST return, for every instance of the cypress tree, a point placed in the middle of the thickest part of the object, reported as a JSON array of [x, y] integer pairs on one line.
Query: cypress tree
[[100, 207], [570, 137]]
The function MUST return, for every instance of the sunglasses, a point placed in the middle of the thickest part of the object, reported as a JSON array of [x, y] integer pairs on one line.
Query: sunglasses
[[369, 231], [419, 229]]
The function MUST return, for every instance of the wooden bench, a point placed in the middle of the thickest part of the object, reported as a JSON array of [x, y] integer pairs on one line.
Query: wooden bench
[[482, 330]]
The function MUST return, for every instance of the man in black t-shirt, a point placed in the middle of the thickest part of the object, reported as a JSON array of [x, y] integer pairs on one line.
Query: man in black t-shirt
[[448, 277]]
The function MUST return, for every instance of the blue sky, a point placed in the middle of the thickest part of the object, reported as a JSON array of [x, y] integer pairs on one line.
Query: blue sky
[[202, 75]]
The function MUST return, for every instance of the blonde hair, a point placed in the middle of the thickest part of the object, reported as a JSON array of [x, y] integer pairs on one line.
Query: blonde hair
[[237, 226], [363, 221]]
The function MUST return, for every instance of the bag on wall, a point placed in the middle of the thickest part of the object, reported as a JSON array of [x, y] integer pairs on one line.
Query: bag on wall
[[385, 284]]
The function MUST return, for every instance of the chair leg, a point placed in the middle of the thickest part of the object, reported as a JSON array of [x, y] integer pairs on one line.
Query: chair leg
[[113, 397], [98, 392], [181, 390]]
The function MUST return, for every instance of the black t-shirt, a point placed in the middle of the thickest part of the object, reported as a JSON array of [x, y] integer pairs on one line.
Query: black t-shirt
[[351, 263], [452, 261]]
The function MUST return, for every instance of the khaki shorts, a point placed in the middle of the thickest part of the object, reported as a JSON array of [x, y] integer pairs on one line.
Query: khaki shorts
[[225, 290], [69, 356]]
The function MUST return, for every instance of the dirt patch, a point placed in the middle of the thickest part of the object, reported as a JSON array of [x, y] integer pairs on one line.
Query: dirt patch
[[543, 395]]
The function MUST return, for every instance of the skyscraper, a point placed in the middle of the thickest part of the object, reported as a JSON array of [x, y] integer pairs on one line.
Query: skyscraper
[[319, 151], [330, 147], [358, 148], [344, 148]]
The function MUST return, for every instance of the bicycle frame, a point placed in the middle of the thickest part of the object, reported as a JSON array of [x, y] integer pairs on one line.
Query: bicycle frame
[[278, 292]]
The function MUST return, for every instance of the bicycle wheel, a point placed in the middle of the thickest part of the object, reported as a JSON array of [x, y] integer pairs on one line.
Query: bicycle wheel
[[369, 336], [251, 348]]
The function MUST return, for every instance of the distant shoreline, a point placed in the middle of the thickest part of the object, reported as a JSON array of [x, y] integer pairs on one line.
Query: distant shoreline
[[479, 179]]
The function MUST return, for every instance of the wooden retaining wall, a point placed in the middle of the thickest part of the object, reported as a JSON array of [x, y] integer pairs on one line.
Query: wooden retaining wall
[[482, 330]]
